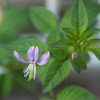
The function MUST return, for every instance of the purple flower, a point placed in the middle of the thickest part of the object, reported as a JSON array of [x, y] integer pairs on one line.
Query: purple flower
[[32, 57]]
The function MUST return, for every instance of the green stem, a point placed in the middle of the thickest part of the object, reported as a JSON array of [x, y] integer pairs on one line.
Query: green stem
[[52, 94]]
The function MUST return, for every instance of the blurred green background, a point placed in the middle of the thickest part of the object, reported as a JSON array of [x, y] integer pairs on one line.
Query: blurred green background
[[15, 23]]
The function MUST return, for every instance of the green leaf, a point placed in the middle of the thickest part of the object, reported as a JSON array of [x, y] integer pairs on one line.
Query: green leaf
[[75, 93], [66, 20], [88, 34], [5, 84], [93, 10], [70, 33], [43, 69], [83, 48], [55, 35], [22, 45], [92, 42], [61, 54], [43, 19], [14, 20], [64, 43], [56, 73], [86, 57], [79, 64], [95, 50], [79, 17]]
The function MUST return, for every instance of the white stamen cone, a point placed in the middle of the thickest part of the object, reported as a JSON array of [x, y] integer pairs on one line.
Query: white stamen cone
[[26, 74], [31, 67], [34, 71], [25, 70], [28, 70]]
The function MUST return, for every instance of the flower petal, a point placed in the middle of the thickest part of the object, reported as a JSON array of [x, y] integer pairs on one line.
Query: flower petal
[[44, 58], [36, 54], [19, 57], [30, 53]]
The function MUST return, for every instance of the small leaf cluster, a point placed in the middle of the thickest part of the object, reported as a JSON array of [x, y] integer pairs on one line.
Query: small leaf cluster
[[64, 39]]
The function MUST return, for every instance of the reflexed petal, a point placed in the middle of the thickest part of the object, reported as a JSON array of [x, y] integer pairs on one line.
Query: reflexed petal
[[19, 57], [36, 54], [44, 58], [30, 53]]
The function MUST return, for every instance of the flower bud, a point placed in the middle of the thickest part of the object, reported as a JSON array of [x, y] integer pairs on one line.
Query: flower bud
[[74, 55]]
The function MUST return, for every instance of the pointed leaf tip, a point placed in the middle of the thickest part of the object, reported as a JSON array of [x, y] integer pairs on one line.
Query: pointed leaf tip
[[79, 18]]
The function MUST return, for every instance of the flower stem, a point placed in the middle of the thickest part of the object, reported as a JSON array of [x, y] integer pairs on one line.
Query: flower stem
[[52, 94]]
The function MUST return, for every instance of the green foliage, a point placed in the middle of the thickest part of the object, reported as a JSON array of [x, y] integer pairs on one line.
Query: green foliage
[[70, 36], [75, 93], [42, 70], [78, 39], [60, 54], [55, 35], [79, 17], [86, 57], [70, 33], [92, 42], [88, 34], [66, 20], [5, 84], [56, 73], [79, 21], [79, 64], [95, 50], [92, 11], [43, 19], [64, 43], [14, 20]]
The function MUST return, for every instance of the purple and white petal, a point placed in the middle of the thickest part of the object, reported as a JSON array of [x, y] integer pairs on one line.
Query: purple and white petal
[[30, 53], [19, 57], [36, 54], [44, 58]]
